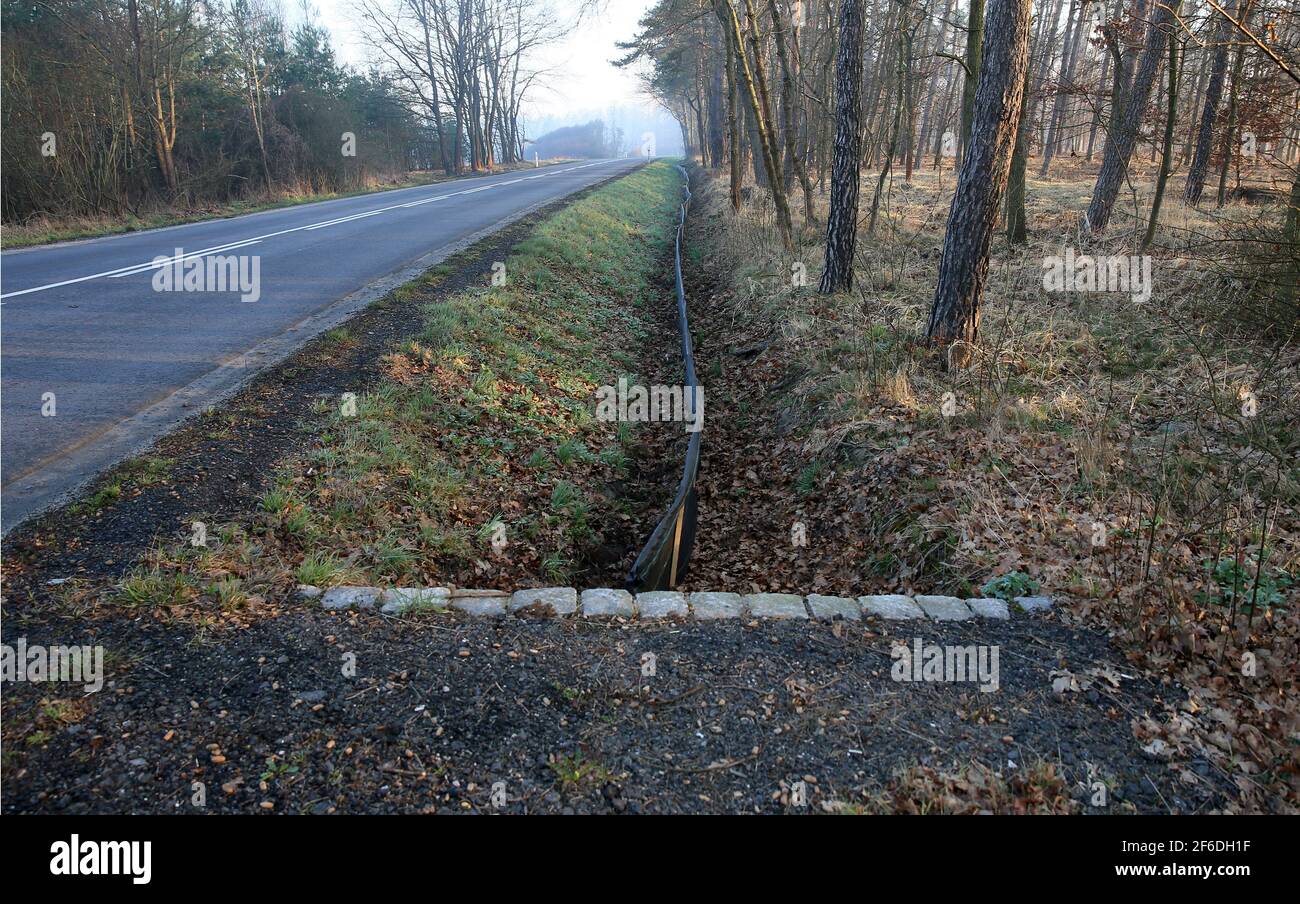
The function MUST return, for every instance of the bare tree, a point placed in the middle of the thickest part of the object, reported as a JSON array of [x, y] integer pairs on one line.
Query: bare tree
[[842, 223], [253, 28], [162, 36], [1073, 40], [789, 105], [1123, 134], [1213, 95], [974, 49], [955, 312], [463, 60], [1017, 227], [1229, 140], [903, 46], [752, 83], [1166, 157]]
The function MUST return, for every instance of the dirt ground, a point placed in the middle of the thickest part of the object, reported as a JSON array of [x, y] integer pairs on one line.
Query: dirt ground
[[443, 707]]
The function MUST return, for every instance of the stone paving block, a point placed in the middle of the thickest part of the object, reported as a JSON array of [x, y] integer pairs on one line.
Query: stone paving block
[[1033, 603], [989, 608], [775, 605], [608, 602], [944, 608], [350, 598], [480, 605], [893, 606], [397, 600], [559, 600], [662, 604], [828, 607], [710, 605]]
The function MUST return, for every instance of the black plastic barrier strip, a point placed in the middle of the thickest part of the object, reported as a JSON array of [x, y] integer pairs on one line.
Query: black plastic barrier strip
[[667, 554]]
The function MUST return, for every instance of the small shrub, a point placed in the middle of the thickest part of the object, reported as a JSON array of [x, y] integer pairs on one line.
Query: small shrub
[[1011, 585]]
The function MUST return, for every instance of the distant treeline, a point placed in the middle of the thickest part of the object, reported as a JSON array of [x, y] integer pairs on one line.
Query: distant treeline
[[110, 106], [591, 139]]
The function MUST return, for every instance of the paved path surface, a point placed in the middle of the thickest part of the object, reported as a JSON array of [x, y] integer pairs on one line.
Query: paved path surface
[[126, 362]]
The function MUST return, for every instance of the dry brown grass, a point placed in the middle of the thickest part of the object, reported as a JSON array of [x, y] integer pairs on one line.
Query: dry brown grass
[[1120, 383], [1082, 417]]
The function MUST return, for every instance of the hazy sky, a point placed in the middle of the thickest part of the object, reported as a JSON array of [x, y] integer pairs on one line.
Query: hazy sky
[[583, 78]]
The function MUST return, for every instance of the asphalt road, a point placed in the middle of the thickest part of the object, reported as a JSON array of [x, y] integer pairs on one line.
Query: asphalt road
[[125, 361]]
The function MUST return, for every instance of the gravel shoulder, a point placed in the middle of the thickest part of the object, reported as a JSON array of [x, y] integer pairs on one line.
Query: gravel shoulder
[[441, 708]]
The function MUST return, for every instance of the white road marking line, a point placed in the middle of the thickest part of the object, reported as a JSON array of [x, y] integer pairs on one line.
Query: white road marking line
[[158, 264], [357, 216], [125, 271], [424, 201], [132, 269]]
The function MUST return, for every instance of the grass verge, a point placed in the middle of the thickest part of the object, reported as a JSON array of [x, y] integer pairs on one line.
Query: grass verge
[[477, 459]]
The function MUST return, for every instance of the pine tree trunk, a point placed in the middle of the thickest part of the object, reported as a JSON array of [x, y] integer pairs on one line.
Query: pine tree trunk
[[842, 223], [1123, 133], [1291, 249], [734, 148], [1096, 110], [717, 137], [1017, 228], [974, 48], [1166, 159], [757, 156], [1073, 33], [1230, 133], [909, 95], [1197, 100], [891, 148], [955, 313]]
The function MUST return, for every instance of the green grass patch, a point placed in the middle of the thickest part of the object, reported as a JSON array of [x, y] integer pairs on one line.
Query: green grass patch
[[486, 418], [136, 473]]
